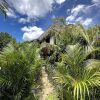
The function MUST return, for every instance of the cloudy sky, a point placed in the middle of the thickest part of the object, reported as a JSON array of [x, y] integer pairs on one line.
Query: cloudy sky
[[28, 19]]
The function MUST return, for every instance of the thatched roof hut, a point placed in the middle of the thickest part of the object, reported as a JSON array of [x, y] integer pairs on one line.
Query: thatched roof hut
[[51, 33]]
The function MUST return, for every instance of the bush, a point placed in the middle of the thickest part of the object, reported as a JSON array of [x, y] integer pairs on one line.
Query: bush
[[18, 72]]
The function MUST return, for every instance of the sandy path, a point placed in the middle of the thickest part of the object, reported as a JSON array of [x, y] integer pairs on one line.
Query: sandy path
[[47, 87]]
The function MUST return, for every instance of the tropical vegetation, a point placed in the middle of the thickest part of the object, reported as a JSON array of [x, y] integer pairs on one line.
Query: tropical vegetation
[[72, 64], [5, 38]]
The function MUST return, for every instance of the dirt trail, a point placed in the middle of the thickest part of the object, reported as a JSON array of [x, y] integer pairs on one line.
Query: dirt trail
[[47, 87]]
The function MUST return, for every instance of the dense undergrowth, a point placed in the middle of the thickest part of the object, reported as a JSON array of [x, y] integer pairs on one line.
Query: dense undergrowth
[[72, 63]]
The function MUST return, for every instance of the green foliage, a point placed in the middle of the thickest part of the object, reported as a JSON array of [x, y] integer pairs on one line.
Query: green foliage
[[19, 70], [59, 20], [77, 75], [73, 64], [70, 35], [5, 38], [52, 96]]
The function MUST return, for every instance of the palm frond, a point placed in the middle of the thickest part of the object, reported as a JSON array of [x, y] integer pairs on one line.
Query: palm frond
[[75, 75], [18, 70], [3, 7], [92, 64]]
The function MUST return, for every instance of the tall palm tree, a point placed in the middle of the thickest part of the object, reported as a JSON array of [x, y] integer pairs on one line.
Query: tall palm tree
[[76, 74]]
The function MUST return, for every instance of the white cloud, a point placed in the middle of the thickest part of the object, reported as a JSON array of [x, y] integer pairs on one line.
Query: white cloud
[[75, 11], [60, 1], [24, 20], [11, 13], [31, 33], [96, 1], [84, 14], [70, 18], [87, 22], [79, 19], [33, 8]]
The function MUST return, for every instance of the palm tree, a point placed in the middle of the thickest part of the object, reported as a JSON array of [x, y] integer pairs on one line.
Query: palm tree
[[3, 7], [76, 74], [19, 69]]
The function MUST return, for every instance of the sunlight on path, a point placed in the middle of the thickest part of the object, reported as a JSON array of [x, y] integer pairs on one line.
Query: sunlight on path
[[47, 87]]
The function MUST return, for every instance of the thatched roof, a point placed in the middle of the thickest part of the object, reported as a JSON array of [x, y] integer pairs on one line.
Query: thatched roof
[[55, 29]]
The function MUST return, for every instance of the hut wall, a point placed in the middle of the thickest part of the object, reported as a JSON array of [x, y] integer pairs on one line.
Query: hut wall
[[52, 40]]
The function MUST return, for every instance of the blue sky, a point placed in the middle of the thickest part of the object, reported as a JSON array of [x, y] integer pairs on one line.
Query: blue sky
[[28, 19]]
